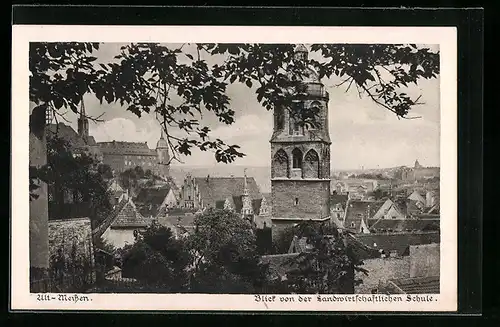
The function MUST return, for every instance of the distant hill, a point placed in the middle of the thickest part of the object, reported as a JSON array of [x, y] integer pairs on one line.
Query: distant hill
[[262, 175]]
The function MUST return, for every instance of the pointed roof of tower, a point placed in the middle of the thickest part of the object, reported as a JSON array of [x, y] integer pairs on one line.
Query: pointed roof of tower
[[245, 184], [162, 143]]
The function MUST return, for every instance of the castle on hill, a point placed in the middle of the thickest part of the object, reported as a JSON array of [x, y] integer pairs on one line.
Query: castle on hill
[[119, 155]]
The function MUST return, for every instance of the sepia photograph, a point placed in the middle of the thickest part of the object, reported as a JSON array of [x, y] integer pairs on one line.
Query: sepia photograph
[[279, 172]]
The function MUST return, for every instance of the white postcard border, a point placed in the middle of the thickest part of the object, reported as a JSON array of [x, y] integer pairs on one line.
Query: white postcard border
[[446, 37]]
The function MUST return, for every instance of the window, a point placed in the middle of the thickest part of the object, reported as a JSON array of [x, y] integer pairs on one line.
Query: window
[[296, 202], [353, 225], [297, 158]]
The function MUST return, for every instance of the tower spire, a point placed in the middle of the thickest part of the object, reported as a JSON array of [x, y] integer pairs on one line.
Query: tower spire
[[245, 184], [246, 209], [83, 123]]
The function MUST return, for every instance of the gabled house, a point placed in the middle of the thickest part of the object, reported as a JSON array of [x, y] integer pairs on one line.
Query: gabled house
[[150, 200], [115, 191], [180, 221], [204, 192], [418, 198], [338, 204], [389, 210], [122, 225], [357, 214], [299, 245]]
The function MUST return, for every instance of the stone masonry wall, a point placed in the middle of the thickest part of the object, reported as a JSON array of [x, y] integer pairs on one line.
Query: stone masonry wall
[[312, 196], [382, 269], [425, 260], [38, 208]]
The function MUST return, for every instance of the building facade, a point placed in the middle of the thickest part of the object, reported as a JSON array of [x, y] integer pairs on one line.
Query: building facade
[[205, 192], [121, 156], [300, 167]]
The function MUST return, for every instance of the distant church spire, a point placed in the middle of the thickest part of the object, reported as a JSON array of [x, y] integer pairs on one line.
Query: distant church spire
[[245, 184], [246, 209], [83, 122]]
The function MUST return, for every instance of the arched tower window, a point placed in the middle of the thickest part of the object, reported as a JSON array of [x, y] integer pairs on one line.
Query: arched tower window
[[315, 110], [297, 158], [311, 166], [279, 118], [280, 164]]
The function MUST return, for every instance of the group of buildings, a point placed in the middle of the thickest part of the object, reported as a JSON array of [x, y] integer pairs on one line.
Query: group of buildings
[[301, 187]]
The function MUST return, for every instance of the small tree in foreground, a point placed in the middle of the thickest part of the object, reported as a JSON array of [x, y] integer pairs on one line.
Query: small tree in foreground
[[328, 268], [158, 260], [226, 258]]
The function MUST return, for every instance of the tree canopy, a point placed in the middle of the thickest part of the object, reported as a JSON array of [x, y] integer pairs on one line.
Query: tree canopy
[[78, 176], [153, 78]]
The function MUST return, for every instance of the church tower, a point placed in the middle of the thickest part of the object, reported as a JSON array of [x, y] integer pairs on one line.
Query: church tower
[[247, 209], [163, 156], [300, 155], [83, 124]]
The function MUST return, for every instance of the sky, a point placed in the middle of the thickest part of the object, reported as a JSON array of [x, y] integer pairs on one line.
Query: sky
[[363, 133]]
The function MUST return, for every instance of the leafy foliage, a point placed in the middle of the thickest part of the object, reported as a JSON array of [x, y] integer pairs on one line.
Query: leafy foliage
[[157, 258], [105, 171], [61, 73], [179, 86], [281, 243], [66, 173], [328, 267], [225, 254]]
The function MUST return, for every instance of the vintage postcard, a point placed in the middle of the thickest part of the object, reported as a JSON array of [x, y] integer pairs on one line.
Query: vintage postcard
[[234, 168]]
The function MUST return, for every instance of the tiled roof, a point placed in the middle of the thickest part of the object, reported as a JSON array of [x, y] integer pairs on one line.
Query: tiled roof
[[184, 220], [114, 186], [412, 207], [99, 230], [418, 285], [129, 216], [399, 242], [299, 245], [402, 225], [149, 199], [67, 133], [434, 209], [125, 148], [338, 198], [358, 210], [237, 204], [213, 189], [69, 234], [361, 250], [429, 216]]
